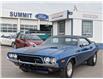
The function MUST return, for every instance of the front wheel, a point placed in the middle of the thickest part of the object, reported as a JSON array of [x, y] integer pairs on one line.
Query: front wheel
[[24, 69], [92, 61], [68, 71]]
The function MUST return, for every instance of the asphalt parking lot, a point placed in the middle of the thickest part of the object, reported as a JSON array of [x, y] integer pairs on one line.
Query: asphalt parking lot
[[9, 70]]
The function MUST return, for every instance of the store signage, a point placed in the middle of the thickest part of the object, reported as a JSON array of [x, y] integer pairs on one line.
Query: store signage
[[20, 14], [42, 16], [90, 16], [58, 16]]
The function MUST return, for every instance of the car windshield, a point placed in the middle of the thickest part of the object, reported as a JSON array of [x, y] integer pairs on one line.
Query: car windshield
[[32, 37], [60, 41]]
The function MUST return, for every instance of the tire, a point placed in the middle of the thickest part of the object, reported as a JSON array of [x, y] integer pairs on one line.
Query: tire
[[50, 72], [68, 71], [92, 61], [13, 45], [24, 69]]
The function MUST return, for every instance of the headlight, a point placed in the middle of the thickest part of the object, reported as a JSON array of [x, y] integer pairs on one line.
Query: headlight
[[12, 56], [53, 60], [15, 56], [49, 60]]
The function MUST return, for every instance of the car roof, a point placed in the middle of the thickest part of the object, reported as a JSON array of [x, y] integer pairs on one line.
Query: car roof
[[70, 36]]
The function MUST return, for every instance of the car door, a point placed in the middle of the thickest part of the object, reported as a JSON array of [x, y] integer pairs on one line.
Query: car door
[[8, 40], [5, 40], [83, 50], [2, 40]]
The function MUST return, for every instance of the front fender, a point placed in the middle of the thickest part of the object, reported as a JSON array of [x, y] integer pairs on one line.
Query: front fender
[[67, 59]]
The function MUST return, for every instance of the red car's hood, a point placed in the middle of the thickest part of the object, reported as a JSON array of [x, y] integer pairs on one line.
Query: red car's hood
[[35, 41]]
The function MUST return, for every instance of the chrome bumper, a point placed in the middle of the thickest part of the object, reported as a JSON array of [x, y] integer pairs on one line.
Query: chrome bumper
[[35, 64]]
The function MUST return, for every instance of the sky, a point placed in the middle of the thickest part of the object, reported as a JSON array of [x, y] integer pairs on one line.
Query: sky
[[52, 7]]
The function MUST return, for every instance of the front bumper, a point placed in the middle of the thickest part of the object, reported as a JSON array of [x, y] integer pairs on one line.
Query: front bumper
[[18, 62]]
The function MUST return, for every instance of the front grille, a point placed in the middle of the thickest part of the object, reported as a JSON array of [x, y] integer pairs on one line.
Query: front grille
[[30, 59]]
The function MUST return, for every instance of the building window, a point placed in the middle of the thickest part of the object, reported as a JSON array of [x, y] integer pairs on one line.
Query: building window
[[24, 28], [61, 27], [8, 27], [87, 28]]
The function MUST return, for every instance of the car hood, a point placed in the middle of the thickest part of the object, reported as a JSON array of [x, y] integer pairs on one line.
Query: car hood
[[52, 51]]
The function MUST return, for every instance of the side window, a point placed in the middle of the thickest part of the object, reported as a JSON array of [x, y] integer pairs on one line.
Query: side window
[[20, 36], [87, 28], [61, 27], [83, 42], [71, 41]]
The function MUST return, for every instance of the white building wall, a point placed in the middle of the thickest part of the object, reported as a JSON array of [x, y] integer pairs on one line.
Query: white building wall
[[55, 28], [5, 33], [77, 27], [9, 20], [21, 21], [18, 25], [67, 27], [28, 22], [97, 32], [45, 22], [77, 17], [102, 31]]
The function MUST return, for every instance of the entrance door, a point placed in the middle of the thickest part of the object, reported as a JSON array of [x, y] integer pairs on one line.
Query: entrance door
[[61, 27]]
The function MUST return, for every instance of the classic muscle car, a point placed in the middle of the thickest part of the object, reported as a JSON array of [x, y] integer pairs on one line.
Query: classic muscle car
[[58, 53]]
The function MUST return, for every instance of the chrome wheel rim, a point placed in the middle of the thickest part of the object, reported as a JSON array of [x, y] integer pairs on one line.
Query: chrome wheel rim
[[94, 58], [69, 69]]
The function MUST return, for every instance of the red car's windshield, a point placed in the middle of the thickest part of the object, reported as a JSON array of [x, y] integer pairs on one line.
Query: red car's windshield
[[31, 37]]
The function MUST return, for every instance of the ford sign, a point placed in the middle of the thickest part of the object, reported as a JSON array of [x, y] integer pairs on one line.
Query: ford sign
[[42, 16]]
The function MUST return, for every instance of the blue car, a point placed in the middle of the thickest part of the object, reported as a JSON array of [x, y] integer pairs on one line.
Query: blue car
[[58, 53]]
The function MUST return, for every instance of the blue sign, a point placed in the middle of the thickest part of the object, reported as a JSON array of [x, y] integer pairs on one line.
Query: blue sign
[[42, 16]]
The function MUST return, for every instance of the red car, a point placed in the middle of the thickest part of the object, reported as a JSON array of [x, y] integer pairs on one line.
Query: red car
[[26, 40]]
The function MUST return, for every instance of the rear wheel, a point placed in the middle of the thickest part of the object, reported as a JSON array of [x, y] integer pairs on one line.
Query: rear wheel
[[92, 61]]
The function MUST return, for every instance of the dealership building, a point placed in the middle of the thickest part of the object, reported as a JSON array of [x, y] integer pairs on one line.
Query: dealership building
[[87, 24], [12, 22]]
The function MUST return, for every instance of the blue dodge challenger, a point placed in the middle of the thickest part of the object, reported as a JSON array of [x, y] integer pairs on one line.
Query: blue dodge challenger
[[58, 53]]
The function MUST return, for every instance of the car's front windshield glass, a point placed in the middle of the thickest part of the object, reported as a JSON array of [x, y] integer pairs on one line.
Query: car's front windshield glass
[[60, 41]]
